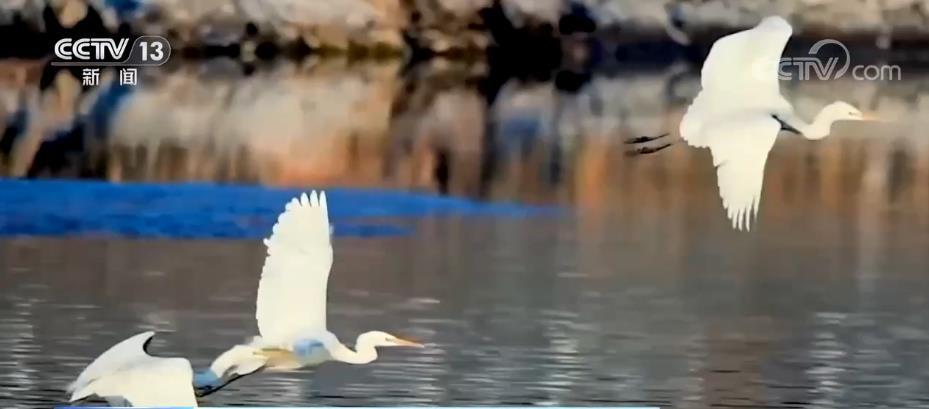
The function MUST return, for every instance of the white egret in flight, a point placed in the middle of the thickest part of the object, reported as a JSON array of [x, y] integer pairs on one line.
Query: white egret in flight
[[126, 375], [291, 305], [740, 111]]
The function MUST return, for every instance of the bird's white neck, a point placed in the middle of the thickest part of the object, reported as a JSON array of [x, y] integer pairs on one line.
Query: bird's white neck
[[820, 128], [364, 352]]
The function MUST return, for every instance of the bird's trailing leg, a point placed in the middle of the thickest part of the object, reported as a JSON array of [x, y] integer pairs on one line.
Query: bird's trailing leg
[[80, 402], [202, 389], [644, 150], [238, 361], [644, 139]]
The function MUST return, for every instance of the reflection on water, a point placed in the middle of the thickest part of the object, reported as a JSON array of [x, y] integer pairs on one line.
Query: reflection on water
[[647, 296], [443, 127]]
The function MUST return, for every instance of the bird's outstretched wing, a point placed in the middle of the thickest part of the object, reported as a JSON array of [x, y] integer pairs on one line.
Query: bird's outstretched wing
[[747, 61], [732, 114], [163, 382], [292, 291], [740, 74], [740, 150], [126, 373], [113, 359]]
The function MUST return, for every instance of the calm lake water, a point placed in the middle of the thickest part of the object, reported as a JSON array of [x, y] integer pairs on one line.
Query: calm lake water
[[639, 292]]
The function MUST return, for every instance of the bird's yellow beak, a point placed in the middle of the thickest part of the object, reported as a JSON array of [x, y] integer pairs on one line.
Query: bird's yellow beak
[[407, 343], [871, 116]]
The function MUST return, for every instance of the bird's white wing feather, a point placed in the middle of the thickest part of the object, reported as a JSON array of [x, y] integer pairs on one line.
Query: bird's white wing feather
[[119, 356], [740, 150], [292, 291], [160, 382], [747, 61], [741, 73], [125, 372]]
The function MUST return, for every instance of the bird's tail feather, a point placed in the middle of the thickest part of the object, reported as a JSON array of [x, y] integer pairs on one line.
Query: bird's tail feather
[[80, 393]]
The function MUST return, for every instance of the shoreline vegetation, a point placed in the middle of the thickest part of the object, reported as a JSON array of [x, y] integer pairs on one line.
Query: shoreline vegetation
[[535, 29]]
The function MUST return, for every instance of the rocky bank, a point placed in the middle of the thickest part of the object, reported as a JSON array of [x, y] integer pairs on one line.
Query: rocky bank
[[445, 26]]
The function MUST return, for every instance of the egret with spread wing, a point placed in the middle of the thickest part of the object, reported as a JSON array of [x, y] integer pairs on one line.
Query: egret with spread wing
[[291, 305], [126, 375], [740, 111]]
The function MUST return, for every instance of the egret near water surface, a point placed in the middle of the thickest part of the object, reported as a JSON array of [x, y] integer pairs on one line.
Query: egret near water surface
[[126, 375], [291, 305], [740, 111], [291, 313]]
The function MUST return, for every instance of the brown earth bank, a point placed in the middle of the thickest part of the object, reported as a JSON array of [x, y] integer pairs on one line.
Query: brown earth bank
[[454, 26]]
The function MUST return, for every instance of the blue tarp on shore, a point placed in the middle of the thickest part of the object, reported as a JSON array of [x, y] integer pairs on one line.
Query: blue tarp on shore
[[206, 210]]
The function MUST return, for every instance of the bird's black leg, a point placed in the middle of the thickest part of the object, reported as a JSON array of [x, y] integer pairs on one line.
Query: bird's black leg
[[211, 389], [644, 139], [645, 150], [80, 402]]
